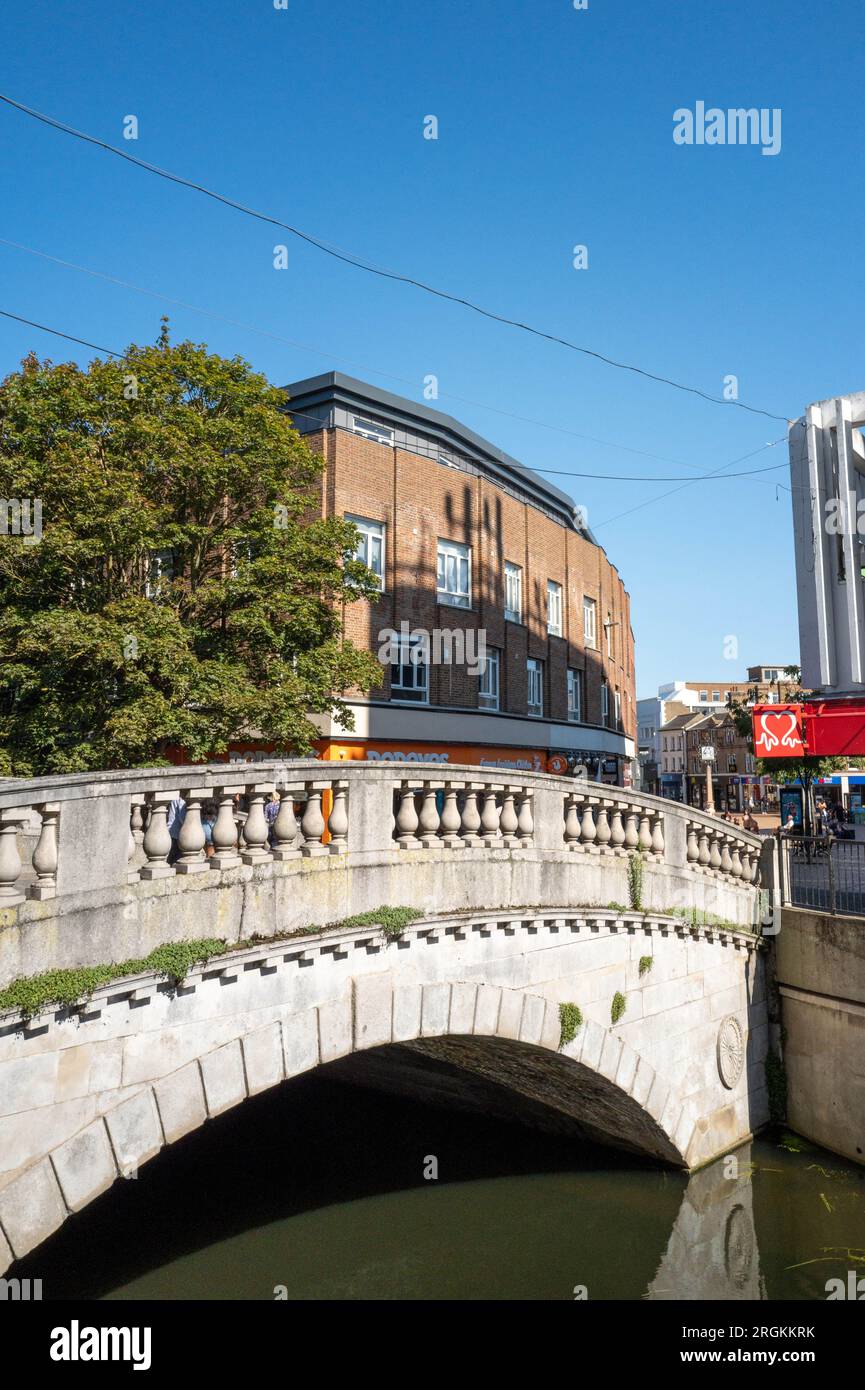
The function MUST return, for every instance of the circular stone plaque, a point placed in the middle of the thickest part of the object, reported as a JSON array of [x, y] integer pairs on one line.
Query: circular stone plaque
[[731, 1051]]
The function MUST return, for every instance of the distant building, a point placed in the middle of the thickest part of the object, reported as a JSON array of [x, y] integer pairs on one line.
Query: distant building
[[827, 480], [736, 785]]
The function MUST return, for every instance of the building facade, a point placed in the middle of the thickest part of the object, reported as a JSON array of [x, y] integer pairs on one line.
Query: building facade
[[503, 630]]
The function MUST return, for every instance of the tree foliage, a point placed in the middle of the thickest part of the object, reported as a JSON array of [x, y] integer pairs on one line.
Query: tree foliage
[[186, 589]]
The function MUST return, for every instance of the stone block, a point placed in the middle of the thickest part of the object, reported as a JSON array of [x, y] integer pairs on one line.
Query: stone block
[[406, 1012], [31, 1208], [551, 1033], [532, 1021], [262, 1058], [373, 1010], [510, 1014], [300, 1041], [592, 1036], [6, 1256], [180, 1100], [487, 1010], [611, 1053], [223, 1077], [85, 1165], [136, 1134], [626, 1072], [435, 1010], [334, 1029], [643, 1081], [463, 1000]]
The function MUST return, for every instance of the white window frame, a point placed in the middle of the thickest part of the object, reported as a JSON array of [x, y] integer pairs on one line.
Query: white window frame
[[575, 695], [513, 589], [617, 707], [554, 609], [489, 685], [716, 697], [605, 702], [370, 531], [535, 673], [590, 621], [458, 553], [417, 692], [704, 697], [371, 429]]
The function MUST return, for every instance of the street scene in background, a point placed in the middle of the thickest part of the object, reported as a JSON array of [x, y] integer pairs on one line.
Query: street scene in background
[[432, 672]]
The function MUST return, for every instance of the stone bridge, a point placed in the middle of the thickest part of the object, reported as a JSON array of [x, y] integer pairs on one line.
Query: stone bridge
[[532, 895]]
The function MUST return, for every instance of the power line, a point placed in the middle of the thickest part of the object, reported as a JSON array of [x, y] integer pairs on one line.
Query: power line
[[565, 473], [375, 371], [361, 264]]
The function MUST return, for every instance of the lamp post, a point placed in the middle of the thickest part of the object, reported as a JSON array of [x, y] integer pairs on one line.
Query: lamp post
[[707, 752]]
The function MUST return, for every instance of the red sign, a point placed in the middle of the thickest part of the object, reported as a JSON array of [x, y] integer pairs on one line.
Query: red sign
[[778, 731], [835, 728]]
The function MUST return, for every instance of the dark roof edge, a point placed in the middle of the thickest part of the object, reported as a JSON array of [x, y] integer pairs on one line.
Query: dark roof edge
[[352, 392]]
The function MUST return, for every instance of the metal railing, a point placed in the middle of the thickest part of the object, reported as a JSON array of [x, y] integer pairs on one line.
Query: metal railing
[[823, 873]]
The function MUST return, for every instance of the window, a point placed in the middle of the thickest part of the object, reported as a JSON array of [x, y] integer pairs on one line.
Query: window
[[371, 429], [617, 702], [488, 688], [554, 608], [704, 697], [608, 628], [513, 593], [454, 574], [370, 545], [605, 702], [716, 697], [535, 671], [589, 622], [575, 696], [160, 571], [409, 677], [731, 763]]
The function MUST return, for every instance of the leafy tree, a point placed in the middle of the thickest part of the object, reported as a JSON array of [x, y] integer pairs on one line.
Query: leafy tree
[[186, 589], [786, 770]]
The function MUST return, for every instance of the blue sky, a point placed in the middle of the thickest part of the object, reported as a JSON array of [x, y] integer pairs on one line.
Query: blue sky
[[555, 128]]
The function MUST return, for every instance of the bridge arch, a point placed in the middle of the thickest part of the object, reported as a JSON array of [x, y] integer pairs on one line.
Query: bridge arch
[[597, 1082]]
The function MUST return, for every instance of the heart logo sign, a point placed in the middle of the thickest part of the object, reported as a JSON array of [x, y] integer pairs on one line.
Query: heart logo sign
[[778, 732]]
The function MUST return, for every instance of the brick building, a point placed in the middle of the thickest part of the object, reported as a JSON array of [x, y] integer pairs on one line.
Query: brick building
[[467, 541]]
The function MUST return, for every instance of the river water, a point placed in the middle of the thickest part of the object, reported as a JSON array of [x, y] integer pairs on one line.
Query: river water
[[320, 1190]]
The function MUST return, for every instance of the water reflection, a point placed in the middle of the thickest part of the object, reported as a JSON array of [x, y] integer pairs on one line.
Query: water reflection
[[712, 1251]]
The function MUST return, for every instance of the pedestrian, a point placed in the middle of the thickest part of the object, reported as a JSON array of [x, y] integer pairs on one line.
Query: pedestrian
[[176, 817], [271, 811], [790, 822], [208, 821]]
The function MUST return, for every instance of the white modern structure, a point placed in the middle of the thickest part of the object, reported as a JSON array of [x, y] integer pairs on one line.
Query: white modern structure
[[827, 478]]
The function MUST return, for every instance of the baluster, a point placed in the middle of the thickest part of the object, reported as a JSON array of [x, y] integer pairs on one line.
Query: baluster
[[450, 817], [508, 823], [286, 831], [407, 818], [738, 868], [45, 854], [705, 857], [617, 831], [645, 832], [572, 821], [632, 838], [337, 821], [190, 841], [224, 833], [429, 818], [526, 818], [312, 821], [470, 823], [603, 828], [490, 819], [137, 812], [658, 834], [157, 841], [10, 859], [726, 858], [714, 852], [587, 827], [693, 847], [256, 848]]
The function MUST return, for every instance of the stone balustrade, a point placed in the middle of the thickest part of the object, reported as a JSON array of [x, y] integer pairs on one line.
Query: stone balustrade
[[89, 873], [441, 812], [718, 848]]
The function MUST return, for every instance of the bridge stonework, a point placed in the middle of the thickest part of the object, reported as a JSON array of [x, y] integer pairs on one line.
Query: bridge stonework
[[513, 890]]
